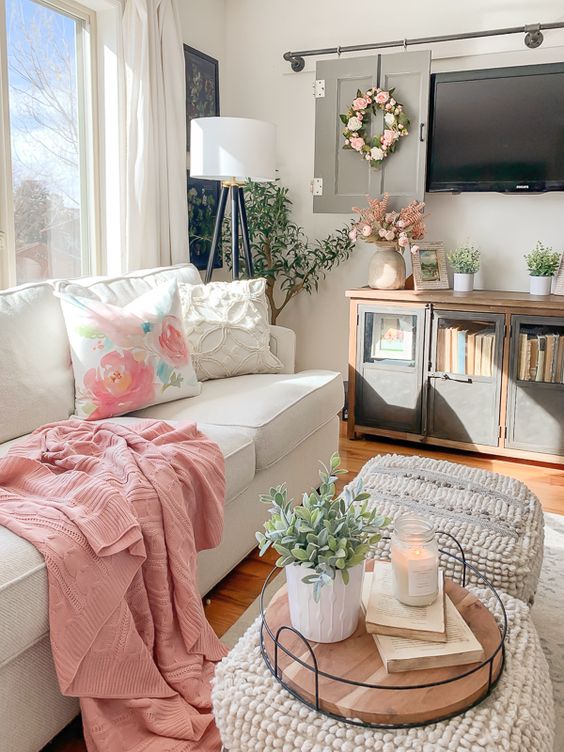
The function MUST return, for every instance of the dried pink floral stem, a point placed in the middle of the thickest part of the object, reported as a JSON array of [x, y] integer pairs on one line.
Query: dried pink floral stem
[[377, 224]]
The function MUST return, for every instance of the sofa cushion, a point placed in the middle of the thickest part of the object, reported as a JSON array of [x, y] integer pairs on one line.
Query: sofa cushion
[[278, 410], [35, 372], [23, 576], [126, 357], [122, 290]]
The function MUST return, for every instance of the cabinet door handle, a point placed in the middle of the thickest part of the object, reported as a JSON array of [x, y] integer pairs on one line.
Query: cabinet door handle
[[447, 377]]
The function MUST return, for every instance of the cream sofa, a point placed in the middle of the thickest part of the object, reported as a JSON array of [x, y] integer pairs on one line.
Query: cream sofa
[[271, 428]]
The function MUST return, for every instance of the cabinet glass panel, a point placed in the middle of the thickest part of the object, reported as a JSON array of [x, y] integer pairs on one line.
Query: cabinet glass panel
[[540, 353], [466, 346], [390, 339]]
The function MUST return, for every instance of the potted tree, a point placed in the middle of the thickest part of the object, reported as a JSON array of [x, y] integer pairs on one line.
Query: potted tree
[[322, 543], [465, 262], [542, 263]]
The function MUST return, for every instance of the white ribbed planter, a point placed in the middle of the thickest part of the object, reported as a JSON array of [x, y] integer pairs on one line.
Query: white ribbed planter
[[335, 617], [540, 285], [463, 282]]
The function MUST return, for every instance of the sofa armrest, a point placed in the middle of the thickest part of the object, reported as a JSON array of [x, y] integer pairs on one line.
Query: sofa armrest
[[283, 345]]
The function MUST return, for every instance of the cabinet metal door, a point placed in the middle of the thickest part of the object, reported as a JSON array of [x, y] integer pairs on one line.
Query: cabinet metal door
[[465, 377], [535, 406], [390, 356], [346, 178]]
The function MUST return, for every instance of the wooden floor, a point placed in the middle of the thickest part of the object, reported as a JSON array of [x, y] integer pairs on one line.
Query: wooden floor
[[233, 595]]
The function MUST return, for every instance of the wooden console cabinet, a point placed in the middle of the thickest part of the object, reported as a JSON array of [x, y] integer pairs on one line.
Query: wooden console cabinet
[[481, 371]]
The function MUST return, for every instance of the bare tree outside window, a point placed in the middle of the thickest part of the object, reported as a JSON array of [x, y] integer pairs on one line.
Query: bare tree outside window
[[45, 140]]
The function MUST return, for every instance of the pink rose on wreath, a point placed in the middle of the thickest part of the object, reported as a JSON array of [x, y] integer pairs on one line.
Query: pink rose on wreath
[[119, 384], [172, 342], [357, 143], [382, 97], [388, 137], [360, 103]]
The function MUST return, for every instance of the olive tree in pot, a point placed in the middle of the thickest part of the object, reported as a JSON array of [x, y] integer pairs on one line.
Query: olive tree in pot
[[465, 262], [542, 263], [322, 543]]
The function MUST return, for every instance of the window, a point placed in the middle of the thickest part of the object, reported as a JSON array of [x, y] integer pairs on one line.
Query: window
[[49, 212]]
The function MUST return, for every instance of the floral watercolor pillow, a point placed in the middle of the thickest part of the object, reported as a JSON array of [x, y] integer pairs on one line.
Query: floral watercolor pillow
[[126, 358]]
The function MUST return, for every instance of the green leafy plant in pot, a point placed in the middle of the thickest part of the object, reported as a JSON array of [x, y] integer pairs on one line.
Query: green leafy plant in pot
[[542, 263], [322, 544], [465, 262]]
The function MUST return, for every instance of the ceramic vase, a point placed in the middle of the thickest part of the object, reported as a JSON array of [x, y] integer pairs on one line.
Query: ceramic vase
[[387, 268], [335, 616], [463, 282], [540, 285]]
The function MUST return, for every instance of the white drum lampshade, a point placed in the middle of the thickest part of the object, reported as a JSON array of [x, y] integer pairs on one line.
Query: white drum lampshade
[[223, 148]]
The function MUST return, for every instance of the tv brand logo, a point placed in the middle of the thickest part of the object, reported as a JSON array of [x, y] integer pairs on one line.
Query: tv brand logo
[[522, 187]]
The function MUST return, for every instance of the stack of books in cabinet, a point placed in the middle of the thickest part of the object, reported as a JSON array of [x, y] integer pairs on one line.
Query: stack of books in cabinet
[[541, 355]]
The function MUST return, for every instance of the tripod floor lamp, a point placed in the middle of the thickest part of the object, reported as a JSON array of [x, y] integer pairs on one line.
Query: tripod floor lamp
[[232, 150]]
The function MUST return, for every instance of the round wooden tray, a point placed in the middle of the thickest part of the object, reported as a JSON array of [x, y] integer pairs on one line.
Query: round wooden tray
[[357, 660]]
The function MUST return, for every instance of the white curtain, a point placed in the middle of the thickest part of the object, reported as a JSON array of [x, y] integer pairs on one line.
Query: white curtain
[[156, 224]]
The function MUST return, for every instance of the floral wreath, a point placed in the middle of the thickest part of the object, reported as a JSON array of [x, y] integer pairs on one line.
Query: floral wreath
[[357, 122]]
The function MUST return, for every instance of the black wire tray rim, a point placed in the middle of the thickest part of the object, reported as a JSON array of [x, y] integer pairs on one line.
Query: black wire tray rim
[[487, 662]]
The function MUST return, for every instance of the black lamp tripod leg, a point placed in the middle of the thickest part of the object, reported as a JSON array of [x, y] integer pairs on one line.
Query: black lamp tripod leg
[[245, 234], [217, 232], [235, 230]]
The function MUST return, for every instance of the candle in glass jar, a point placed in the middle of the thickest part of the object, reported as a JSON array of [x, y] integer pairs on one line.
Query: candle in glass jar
[[415, 560]]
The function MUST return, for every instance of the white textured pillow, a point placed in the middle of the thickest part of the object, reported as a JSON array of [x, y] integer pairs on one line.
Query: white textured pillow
[[130, 357], [227, 327]]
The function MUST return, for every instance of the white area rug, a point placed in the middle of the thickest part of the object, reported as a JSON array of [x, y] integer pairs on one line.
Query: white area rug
[[547, 611]]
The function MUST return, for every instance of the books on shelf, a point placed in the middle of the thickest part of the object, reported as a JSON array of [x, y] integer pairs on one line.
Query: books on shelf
[[385, 615], [466, 350], [541, 356], [400, 654]]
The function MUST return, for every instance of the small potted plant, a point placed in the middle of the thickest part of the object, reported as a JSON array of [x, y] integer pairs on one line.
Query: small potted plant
[[465, 262], [542, 263], [322, 543]]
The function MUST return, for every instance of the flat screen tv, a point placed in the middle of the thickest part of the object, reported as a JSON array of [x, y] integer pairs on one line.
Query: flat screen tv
[[497, 130]]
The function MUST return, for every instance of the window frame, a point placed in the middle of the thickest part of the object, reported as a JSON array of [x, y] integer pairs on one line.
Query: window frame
[[90, 154]]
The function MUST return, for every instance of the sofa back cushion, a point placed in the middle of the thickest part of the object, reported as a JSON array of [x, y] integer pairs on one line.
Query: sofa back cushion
[[123, 290], [35, 375]]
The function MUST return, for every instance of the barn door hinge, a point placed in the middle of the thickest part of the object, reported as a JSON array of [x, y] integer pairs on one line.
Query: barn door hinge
[[319, 88], [317, 186]]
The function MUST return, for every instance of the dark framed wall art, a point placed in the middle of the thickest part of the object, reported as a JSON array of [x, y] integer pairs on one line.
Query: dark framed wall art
[[202, 100]]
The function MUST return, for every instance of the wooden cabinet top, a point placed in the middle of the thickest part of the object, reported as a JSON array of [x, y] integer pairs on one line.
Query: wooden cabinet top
[[549, 304]]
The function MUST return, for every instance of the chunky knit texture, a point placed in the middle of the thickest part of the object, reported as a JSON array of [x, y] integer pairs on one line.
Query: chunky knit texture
[[254, 713], [497, 519], [119, 514]]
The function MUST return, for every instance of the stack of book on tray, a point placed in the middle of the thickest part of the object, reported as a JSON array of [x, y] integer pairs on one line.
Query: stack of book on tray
[[415, 637], [541, 356], [460, 349]]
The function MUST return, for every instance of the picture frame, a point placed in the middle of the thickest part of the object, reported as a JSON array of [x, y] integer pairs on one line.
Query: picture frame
[[430, 266], [392, 338], [202, 100], [202, 87], [559, 278]]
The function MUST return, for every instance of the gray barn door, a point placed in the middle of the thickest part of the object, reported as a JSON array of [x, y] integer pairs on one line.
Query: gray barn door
[[346, 178]]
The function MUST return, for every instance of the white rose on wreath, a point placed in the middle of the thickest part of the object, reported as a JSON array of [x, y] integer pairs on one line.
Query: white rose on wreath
[[374, 149]]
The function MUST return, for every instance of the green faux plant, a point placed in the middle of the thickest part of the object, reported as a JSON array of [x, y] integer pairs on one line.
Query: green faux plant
[[542, 261], [465, 259], [326, 533], [281, 251]]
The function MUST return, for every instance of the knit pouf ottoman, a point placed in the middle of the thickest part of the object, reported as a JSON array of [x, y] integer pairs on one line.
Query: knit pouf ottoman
[[255, 714], [497, 520]]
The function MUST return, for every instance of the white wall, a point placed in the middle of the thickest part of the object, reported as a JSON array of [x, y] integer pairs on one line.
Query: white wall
[[203, 27], [256, 82]]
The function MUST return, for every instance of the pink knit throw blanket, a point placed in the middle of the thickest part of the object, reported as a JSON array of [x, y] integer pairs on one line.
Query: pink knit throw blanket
[[119, 514]]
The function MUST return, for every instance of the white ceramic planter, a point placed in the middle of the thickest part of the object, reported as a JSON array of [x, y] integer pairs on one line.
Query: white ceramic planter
[[463, 282], [335, 617], [540, 285]]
